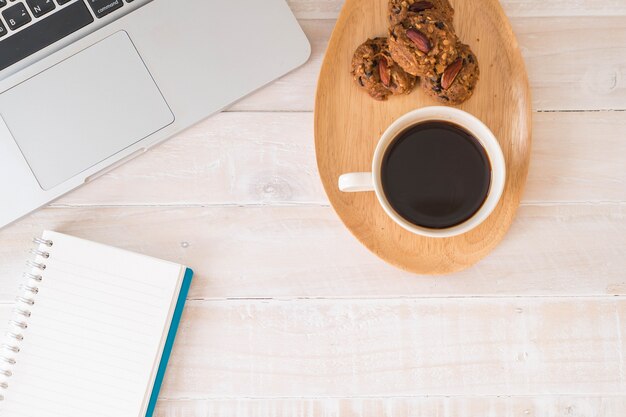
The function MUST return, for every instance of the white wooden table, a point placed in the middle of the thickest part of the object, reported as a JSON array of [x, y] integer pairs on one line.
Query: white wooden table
[[290, 316]]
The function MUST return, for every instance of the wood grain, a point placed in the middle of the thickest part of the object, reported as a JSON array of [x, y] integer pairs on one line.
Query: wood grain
[[497, 406], [398, 348], [573, 63], [564, 75], [576, 158], [290, 252], [349, 124], [330, 348], [329, 9]]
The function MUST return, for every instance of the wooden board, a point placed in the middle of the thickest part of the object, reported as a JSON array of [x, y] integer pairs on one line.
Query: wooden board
[[228, 160], [403, 348], [284, 252], [329, 9], [399, 348], [348, 124], [566, 68], [427, 406]]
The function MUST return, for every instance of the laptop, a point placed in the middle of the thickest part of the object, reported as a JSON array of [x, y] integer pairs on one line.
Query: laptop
[[86, 85]]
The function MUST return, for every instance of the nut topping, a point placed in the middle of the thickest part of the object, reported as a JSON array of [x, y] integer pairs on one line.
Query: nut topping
[[420, 6], [385, 75], [419, 39], [450, 74]]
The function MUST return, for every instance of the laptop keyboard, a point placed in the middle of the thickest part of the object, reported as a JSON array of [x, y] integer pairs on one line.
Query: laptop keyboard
[[27, 26]]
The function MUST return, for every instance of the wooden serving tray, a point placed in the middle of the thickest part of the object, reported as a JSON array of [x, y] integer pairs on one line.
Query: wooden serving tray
[[348, 125]]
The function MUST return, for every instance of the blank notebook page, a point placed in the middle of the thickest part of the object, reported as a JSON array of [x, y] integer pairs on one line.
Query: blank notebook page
[[96, 333]]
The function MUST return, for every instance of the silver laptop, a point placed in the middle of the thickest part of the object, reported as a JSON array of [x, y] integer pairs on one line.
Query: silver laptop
[[86, 85]]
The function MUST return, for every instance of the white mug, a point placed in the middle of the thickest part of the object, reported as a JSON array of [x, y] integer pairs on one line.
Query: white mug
[[372, 181]]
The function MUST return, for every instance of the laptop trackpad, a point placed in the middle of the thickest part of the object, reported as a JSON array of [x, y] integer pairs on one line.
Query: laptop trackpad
[[84, 110]]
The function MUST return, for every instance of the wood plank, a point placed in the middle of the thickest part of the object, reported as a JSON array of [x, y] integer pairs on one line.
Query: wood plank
[[570, 70], [316, 9], [573, 63], [318, 348], [554, 406], [534, 8], [261, 158], [329, 9], [578, 157], [398, 348], [286, 252]]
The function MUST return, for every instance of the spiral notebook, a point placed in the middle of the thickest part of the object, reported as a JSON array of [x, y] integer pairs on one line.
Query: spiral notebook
[[92, 331]]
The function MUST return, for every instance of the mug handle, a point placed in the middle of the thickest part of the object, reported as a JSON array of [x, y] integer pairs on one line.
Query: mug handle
[[356, 182]]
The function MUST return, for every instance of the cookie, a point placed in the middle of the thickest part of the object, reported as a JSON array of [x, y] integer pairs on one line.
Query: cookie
[[423, 44], [398, 10], [375, 71], [457, 83]]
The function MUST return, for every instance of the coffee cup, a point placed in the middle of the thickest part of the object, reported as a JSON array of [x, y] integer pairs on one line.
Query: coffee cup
[[437, 172]]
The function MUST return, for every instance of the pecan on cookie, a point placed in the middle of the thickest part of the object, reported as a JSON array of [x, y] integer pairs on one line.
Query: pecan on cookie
[[457, 83], [375, 71], [398, 10], [423, 44]]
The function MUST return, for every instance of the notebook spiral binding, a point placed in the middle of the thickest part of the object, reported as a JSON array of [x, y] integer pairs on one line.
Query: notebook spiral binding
[[22, 312]]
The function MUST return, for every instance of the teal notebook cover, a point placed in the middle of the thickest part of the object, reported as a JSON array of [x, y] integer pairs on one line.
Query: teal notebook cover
[[169, 343]]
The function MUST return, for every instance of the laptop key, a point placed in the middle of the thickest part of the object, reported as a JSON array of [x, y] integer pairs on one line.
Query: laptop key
[[62, 2], [3, 29], [40, 7], [44, 32], [102, 8], [16, 16]]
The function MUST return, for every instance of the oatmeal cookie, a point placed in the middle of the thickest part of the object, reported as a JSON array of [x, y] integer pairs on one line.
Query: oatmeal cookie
[[423, 44], [457, 83], [375, 71], [398, 10]]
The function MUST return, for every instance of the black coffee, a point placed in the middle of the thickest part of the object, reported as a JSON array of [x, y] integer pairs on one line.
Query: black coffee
[[436, 175]]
